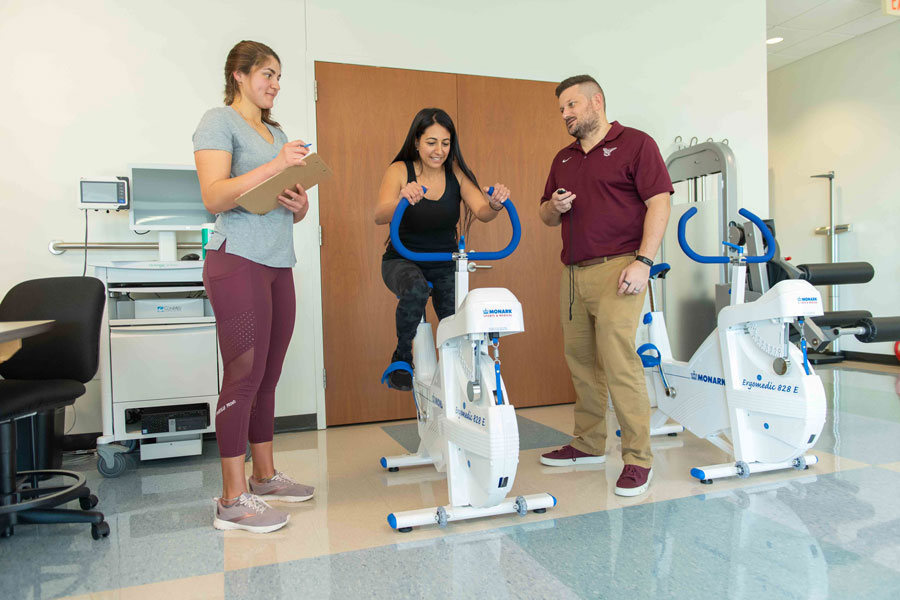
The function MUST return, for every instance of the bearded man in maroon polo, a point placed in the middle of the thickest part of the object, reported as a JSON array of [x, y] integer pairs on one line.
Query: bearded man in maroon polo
[[609, 190]]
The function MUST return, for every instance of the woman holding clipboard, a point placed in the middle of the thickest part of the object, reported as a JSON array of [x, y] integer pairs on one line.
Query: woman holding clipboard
[[247, 275]]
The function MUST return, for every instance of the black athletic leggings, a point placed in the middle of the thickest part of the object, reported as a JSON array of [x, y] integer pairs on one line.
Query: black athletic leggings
[[409, 282]]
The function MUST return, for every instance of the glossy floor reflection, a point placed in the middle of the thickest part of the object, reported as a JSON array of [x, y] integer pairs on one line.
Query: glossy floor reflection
[[830, 532]]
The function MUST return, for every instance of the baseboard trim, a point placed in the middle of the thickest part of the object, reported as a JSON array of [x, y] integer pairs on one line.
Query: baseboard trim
[[296, 423]]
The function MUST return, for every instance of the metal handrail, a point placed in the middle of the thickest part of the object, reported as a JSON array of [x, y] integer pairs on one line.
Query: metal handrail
[[58, 246]]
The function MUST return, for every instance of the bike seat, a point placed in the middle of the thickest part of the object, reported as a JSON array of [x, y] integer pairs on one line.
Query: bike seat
[[659, 271]]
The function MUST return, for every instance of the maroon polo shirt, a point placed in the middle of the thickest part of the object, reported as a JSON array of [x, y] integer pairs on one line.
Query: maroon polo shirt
[[611, 183]]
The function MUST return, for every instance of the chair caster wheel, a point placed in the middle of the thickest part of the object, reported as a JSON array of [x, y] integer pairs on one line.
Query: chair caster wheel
[[393, 469], [673, 434], [540, 511], [405, 529], [99, 530], [88, 502], [706, 481]]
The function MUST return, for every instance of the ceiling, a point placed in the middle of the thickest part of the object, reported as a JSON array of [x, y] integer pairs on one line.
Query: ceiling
[[810, 26]]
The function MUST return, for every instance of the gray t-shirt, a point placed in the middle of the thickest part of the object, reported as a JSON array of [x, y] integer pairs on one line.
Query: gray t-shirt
[[265, 239]]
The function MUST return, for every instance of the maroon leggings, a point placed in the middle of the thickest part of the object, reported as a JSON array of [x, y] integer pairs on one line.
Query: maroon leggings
[[255, 310]]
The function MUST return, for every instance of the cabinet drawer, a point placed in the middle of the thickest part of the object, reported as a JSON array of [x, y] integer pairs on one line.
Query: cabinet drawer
[[152, 362]]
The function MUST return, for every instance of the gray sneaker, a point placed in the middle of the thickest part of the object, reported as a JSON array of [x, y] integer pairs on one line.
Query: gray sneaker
[[250, 514], [281, 487]]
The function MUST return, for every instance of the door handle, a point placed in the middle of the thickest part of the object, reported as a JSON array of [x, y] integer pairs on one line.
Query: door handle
[[472, 266]]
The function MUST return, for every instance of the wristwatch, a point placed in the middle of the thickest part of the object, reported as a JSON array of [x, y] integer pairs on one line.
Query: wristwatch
[[644, 260]]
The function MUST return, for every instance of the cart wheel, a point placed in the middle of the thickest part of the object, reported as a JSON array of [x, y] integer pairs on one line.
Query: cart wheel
[[88, 502], [100, 530], [117, 468]]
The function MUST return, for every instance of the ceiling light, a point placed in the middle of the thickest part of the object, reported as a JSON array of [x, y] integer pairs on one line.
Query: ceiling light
[[774, 40]]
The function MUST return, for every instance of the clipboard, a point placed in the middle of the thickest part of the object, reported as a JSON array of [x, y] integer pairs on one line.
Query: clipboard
[[264, 197]]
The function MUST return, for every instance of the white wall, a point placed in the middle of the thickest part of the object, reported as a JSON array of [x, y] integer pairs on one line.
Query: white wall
[[683, 67], [93, 86], [96, 85], [837, 110]]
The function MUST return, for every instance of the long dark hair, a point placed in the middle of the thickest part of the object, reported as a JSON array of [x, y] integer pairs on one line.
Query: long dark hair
[[243, 57], [408, 152]]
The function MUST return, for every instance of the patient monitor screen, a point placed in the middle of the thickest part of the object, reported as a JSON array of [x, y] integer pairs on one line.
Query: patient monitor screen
[[100, 192], [166, 198]]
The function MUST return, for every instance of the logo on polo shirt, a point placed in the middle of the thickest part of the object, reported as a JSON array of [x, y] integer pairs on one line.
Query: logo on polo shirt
[[608, 151], [567, 159]]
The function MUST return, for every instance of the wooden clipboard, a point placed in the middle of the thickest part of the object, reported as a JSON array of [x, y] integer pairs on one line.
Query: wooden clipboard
[[264, 197]]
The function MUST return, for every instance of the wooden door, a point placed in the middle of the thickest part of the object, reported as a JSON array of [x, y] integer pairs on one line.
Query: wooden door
[[363, 114], [511, 130]]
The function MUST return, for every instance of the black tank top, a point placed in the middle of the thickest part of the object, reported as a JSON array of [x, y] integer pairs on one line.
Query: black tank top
[[430, 225]]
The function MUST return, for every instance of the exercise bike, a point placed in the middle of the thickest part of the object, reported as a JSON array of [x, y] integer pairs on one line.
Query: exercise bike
[[747, 389], [467, 424]]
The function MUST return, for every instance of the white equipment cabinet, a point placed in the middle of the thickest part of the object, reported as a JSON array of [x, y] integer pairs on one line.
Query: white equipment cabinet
[[165, 364]]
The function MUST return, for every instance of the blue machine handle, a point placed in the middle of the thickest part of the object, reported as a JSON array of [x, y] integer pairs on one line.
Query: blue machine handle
[[682, 241], [443, 256], [767, 236]]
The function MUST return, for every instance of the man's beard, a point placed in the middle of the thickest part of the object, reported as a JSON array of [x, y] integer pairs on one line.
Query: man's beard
[[585, 127]]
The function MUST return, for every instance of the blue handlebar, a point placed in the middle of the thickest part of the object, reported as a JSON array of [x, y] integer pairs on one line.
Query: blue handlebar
[[682, 241], [403, 250], [443, 256], [767, 236]]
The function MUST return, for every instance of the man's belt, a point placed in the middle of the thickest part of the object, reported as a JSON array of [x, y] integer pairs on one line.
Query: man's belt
[[602, 259]]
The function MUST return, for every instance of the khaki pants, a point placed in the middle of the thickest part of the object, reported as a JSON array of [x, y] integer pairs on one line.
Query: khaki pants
[[600, 352]]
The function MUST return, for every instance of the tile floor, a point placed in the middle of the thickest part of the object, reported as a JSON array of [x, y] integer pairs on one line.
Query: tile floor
[[832, 531]]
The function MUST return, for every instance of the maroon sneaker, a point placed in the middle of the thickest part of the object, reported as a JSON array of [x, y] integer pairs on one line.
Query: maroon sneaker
[[567, 455], [633, 481]]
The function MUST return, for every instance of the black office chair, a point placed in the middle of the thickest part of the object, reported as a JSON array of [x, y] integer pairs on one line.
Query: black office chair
[[48, 373]]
